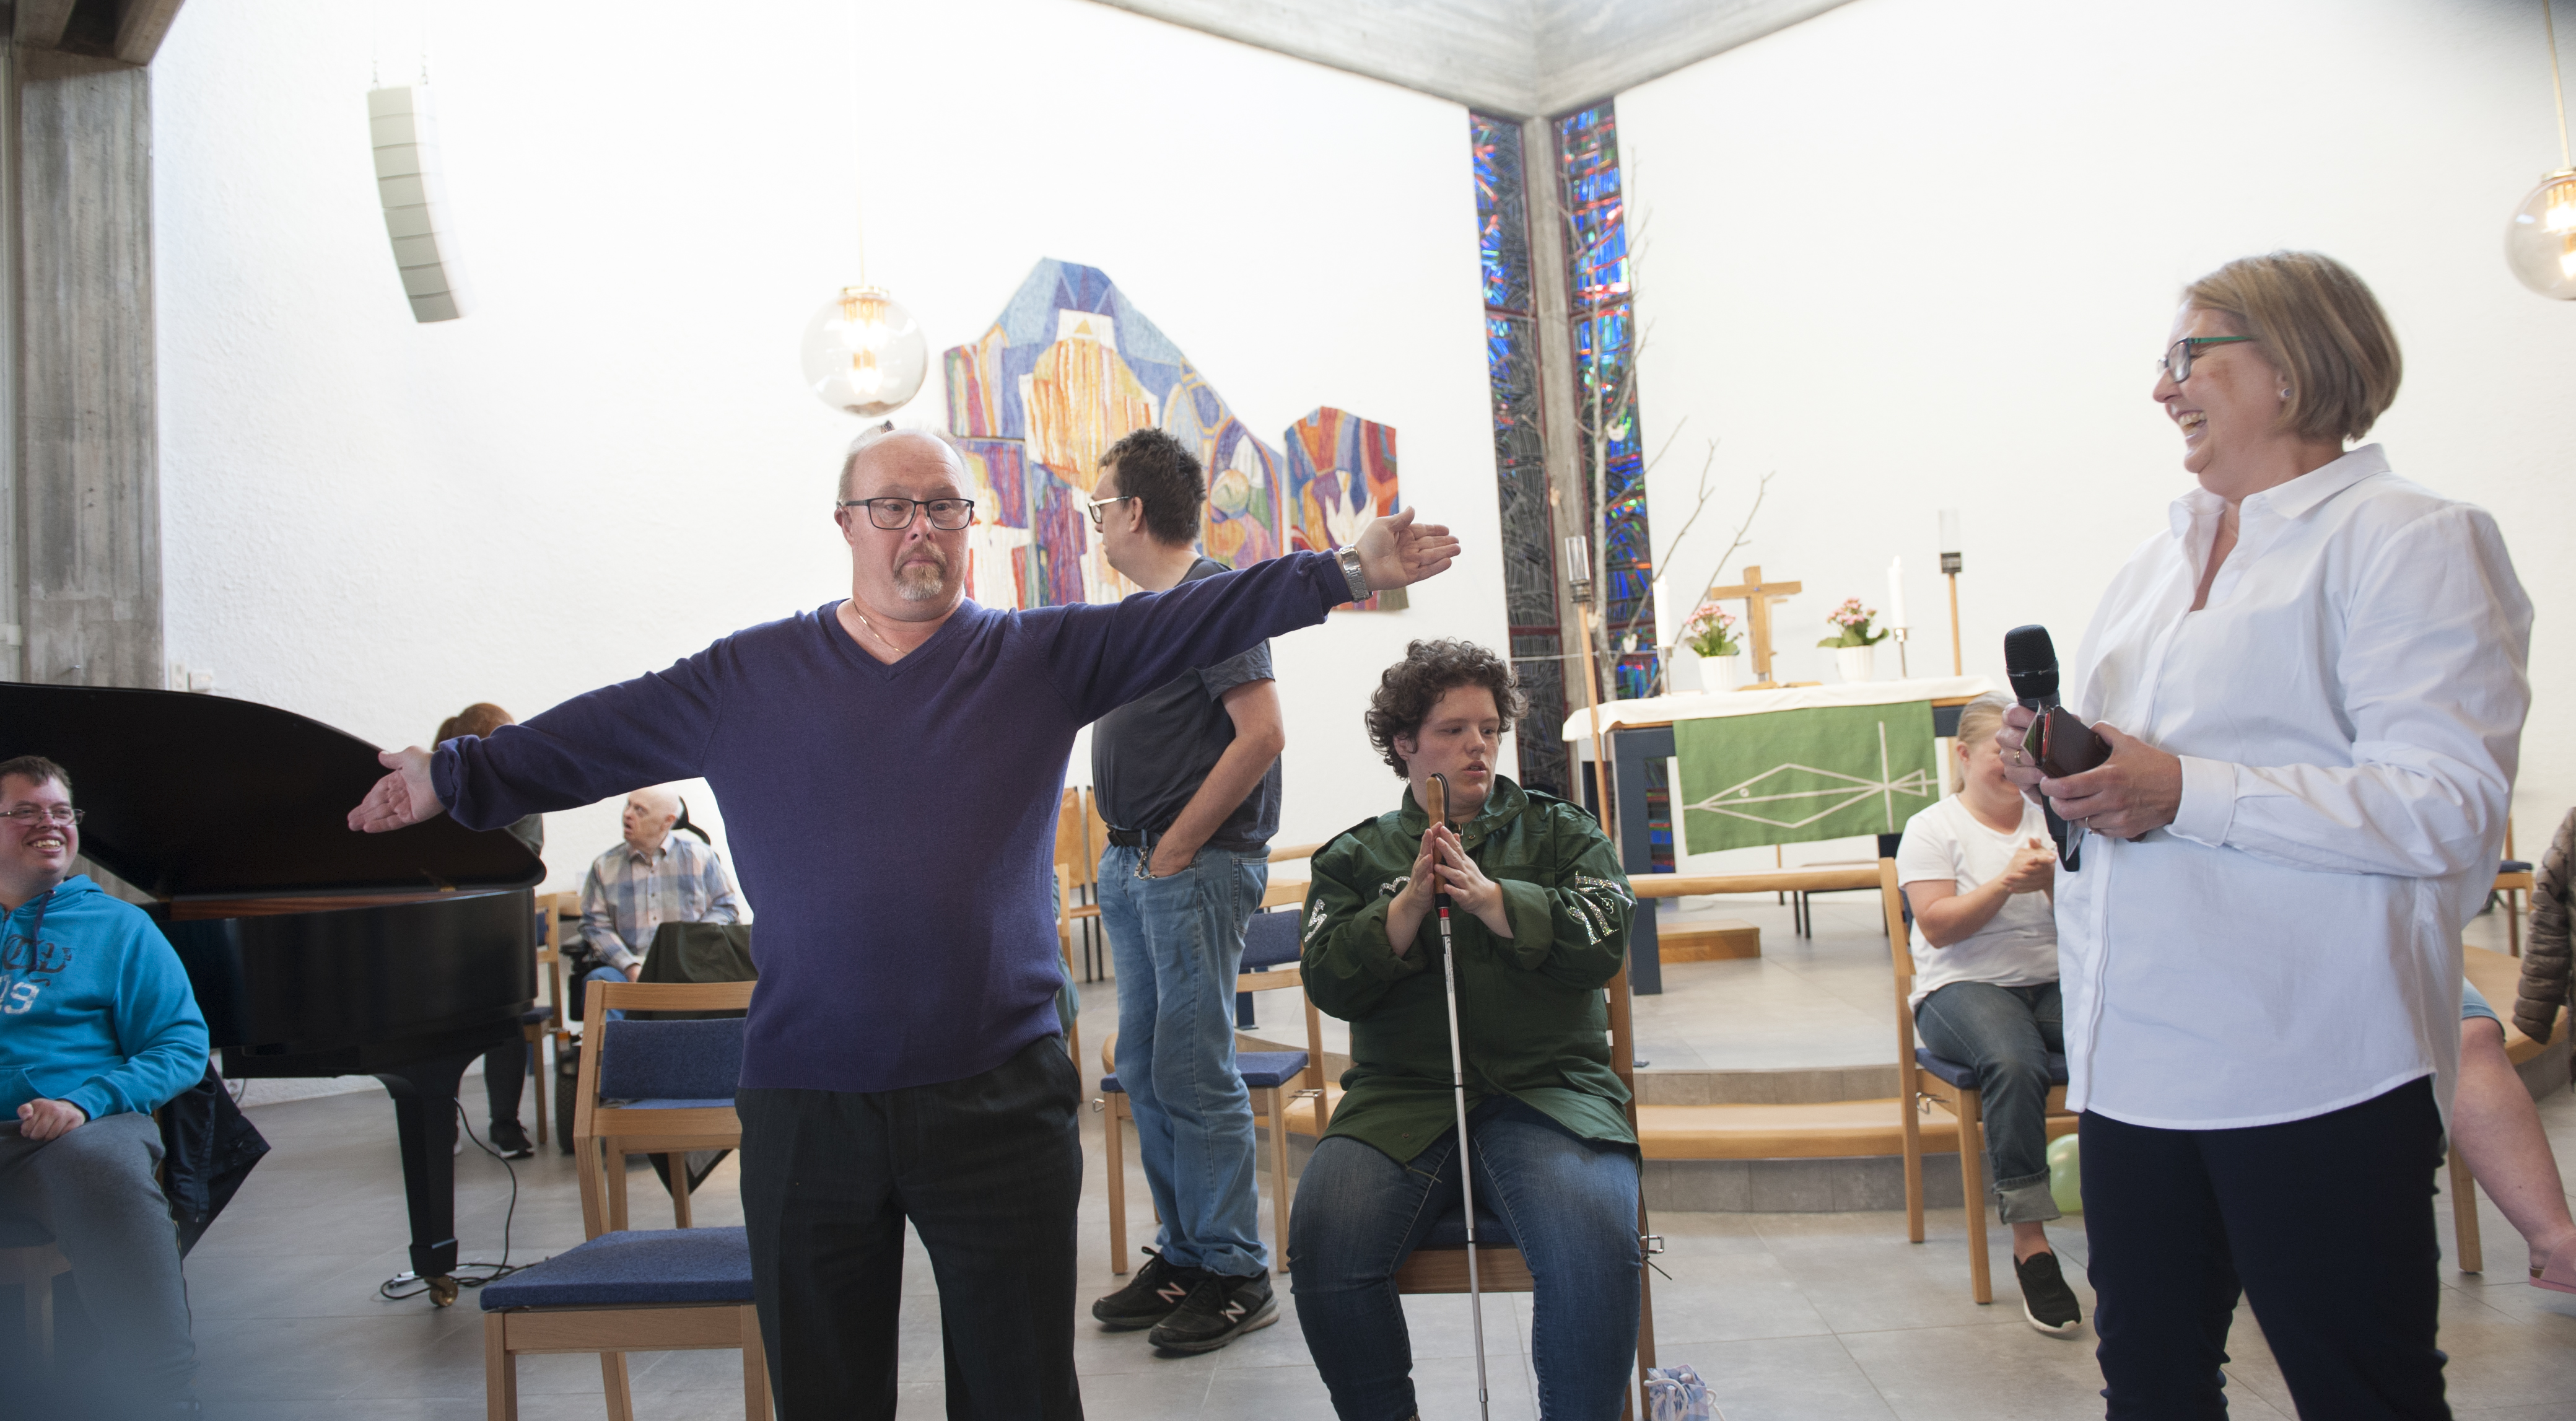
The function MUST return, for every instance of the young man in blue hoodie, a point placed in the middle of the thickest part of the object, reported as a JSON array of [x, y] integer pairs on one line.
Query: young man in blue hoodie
[[98, 1027]]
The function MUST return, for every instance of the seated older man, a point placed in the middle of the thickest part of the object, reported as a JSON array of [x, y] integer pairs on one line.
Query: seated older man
[[98, 1027], [1539, 923], [654, 877]]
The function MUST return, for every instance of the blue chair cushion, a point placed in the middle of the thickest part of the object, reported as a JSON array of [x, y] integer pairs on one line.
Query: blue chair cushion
[[2513, 866], [1270, 940], [1262, 1070], [1265, 1070], [1965, 1077], [1451, 1230], [668, 1103], [534, 1016], [670, 1060], [639, 1266]]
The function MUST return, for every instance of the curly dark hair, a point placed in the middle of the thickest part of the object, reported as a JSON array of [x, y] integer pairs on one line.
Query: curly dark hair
[[1430, 670], [1163, 473]]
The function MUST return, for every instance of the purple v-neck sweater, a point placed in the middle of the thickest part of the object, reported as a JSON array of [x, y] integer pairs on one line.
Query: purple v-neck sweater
[[894, 826]]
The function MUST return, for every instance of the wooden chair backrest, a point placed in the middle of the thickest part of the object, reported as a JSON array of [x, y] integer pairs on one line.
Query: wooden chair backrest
[[1900, 946], [1280, 978], [621, 1132]]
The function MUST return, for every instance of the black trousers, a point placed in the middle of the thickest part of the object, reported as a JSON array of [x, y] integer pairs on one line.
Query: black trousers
[[505, 1074], [989, 1171], [2326, 1224]]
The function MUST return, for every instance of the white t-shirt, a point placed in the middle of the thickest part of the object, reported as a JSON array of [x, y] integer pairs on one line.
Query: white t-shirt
[[2018, 945]]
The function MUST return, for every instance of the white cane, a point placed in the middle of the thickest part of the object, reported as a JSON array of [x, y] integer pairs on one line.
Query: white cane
[[1438, 789]]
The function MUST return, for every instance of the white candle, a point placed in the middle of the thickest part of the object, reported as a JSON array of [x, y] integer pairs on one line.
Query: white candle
[[1896, 592]]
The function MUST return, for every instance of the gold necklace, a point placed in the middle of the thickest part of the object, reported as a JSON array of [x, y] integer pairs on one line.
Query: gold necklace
[[872, 629]]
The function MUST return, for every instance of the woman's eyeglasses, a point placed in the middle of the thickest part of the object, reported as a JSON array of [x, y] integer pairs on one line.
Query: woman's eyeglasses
[[2178, 356]]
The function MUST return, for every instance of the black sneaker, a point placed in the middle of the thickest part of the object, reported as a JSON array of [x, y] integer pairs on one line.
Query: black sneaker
[[1217, 1311], [1149, 1297], [510, 1140], [2045, 1299]]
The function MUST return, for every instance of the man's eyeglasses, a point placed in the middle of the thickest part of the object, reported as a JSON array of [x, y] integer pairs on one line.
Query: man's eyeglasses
[[1098, 505], [895, 514], [44, 814], [2178, 356]]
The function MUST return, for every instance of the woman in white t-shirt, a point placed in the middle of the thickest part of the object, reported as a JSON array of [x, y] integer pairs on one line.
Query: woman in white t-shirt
[[1977, 870]]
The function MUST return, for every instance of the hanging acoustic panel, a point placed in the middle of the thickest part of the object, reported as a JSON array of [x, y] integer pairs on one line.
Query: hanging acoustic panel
[[410, 181]]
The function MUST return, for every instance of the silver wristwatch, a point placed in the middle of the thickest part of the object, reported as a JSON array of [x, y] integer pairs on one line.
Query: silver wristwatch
[[1349, 558]]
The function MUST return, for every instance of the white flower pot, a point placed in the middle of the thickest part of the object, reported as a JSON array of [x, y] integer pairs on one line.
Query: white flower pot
[[1857, 663], [1729, 673]]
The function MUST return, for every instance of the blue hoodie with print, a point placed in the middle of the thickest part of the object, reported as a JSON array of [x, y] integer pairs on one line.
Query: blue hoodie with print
[[94, 1006]]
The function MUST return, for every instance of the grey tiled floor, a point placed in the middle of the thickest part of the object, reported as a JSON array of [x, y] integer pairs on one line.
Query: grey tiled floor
[[1813, 1317]]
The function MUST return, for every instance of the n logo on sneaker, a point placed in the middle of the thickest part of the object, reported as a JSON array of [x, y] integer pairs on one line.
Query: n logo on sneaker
[[1173, 1292], [1234, 1312]]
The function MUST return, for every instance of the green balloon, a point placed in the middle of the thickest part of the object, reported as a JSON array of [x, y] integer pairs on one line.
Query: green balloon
[[2066, 1175]]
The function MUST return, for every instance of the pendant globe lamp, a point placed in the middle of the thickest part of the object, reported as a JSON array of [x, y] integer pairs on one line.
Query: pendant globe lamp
[[864, 353], [2540, 241]]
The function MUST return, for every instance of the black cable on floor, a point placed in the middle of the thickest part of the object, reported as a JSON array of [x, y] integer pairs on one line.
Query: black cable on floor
[[411, 1285]]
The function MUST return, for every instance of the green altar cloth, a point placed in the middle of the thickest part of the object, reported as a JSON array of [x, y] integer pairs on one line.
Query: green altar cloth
[[1796, 776]]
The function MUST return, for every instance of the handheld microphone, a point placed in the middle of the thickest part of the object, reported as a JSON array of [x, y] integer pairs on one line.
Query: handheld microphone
[[2030, 663]]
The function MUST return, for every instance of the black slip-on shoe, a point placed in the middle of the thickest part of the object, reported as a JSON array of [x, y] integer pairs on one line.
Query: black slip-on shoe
[[509, 1140], [2045, 1299], [1149, 1297], [1217, 1311]]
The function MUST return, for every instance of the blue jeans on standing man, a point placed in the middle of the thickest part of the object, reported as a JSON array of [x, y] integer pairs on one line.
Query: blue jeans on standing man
[[1570, 1205], [1177, 943], [2005, 1033]]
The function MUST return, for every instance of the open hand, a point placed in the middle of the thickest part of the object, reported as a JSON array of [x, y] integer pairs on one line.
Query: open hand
[[1412, 902], [2136, 790], [1396, 551], [49, 1119], [400, 799]]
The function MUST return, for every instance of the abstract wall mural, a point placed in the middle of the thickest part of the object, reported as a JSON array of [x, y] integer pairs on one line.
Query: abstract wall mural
[[1070, 366]]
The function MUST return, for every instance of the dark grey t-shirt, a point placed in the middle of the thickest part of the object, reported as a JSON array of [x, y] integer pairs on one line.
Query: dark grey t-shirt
[[1149, 756]]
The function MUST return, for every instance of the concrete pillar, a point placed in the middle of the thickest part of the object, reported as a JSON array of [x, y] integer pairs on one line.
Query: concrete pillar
[[87, 476]]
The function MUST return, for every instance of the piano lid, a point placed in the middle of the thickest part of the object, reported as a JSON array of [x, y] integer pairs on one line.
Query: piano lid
[[194, 795]]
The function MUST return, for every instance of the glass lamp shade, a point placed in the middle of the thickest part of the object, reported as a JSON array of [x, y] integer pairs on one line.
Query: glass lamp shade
[[863, 353], [2540, 241]]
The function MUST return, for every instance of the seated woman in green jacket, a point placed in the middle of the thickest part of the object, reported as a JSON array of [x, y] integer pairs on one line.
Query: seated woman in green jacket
[[1539, 920]]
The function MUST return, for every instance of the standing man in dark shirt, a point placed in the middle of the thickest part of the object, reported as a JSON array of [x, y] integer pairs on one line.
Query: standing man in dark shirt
[[890, 765], [1188, 778]]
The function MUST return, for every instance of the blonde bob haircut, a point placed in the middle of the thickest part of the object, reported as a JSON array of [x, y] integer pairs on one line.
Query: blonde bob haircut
[[1980, 719], [2321, 329]]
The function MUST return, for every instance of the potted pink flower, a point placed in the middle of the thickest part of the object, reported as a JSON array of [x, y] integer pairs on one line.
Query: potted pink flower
[[1710, 636], [1855, 644]]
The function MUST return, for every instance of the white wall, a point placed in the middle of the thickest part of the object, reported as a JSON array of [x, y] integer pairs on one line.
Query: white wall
[[612, 460], [1922, 253]]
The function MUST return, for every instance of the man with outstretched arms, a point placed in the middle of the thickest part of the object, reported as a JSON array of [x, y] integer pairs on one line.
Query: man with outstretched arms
[[890, 766], [98, 1029]]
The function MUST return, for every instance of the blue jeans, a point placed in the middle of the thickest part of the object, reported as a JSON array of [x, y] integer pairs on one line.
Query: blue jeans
[[1177, 943], [601, 974], [1571, 1206], [2006, 1033]]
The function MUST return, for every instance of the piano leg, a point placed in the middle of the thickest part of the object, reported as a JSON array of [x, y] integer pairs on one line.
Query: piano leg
[[424, 1095]]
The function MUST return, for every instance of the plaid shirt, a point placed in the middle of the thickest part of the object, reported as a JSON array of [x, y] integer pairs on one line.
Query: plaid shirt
[[629, 893]]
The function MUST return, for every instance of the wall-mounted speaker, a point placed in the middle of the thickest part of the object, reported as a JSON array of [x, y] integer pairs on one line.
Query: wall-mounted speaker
[[410, 180]]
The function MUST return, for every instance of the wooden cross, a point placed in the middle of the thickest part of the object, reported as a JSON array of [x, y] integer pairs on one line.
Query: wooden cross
[[1758, 597]]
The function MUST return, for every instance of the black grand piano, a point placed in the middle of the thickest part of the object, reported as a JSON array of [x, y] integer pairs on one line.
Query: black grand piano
[[314, 951]]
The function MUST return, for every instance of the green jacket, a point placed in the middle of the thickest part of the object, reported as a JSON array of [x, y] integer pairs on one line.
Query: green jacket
[[1532, 1020]]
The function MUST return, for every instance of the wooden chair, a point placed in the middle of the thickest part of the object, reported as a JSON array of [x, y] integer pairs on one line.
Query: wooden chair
[[30, 1263], [2513, 879], [1440, 1264], [1064, 909], [2499, 978], [1923, 1079], [1276, 1079], [549, 1020], [1080, 836], [644, 1122], [653, 1290]]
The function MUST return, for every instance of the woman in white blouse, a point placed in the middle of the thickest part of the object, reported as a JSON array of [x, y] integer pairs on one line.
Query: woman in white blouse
[[2312, 682]]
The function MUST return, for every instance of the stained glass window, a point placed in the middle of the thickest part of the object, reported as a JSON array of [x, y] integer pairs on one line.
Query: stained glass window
[[1520, 459]]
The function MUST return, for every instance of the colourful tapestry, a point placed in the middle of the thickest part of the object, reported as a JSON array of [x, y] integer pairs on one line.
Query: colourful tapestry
[[1341, 474], [1069, 367]]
